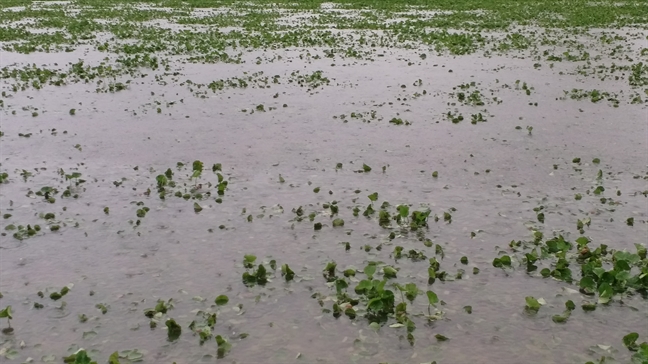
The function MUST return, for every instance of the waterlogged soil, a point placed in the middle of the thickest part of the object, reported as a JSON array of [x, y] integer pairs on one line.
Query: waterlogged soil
[[507, 150]]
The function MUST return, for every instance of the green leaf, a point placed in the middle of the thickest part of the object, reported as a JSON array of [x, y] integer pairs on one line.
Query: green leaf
[[101, 307], [369, 270], [432, 298], [223, 347], [373, 197], [211, 320], [197, 208], [570, 305], [440, 337], [431, 273], [80, 357], [389, 272], [503, 261], [605, 292], [630, 339], [338, 223], [174, 330], [161, 307], [6, 312], [642, 351], [132, 355], [340, 284], [221, 300], [261, 275], [621, 265], [587, 284], [559, 319], [287, 272], [197, 166], [582, 241], [532, 304], [587, 306], [468, 309], [411, 288], [631, 258], [366, 168], [403, 210], [161, 180], [622, 276], [351, 313], [114, 358]]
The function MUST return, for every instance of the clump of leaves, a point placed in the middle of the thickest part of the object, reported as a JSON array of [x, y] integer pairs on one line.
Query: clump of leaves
[[380, 301], [204, 325], [418, 219], [161, 307], [80, 357], [399, 121], [101, 307], [641, 350], [502, 262], [258, 276], [58, 295]]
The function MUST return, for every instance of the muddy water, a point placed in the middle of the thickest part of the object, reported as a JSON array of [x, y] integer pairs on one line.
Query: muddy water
[[177, 253]]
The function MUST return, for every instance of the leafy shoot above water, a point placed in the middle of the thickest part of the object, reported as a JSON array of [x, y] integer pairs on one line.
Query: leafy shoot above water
[[532, 304], [287, 273], [6, 313], [174, 330]]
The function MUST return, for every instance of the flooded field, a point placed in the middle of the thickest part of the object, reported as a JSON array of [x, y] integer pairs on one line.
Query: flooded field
[[324, 182]]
